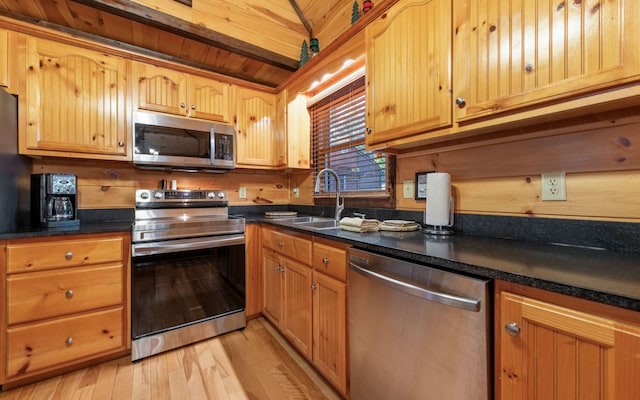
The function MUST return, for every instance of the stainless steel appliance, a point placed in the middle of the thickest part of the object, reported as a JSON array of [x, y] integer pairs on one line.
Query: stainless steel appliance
[[188, 277], [169, 142], [14, 169], [416, 332], [54, 200]]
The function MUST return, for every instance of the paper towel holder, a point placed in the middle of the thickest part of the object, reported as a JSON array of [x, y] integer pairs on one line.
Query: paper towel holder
[[442, 230]]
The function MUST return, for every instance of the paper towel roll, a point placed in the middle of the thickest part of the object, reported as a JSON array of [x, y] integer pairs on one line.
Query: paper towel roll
[[438, 199]]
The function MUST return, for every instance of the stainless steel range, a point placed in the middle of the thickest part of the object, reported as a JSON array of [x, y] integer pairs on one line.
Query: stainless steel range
[[188, 276]]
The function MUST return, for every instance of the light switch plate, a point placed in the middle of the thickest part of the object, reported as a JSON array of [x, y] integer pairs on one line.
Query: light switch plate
[[242, 192], [408, 189]]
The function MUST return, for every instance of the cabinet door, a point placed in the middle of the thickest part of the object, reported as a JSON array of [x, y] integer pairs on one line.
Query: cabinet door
[[253, 269], [552, 352], [298, 133], [4, 58], [273, 295], [512, 54], [256, 128], [75, 101], [297, 305], [161, 89], [329, 329], [209, 99], [408, 70]]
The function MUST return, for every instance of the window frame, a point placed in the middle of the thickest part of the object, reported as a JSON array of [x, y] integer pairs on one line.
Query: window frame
[[375, 198]]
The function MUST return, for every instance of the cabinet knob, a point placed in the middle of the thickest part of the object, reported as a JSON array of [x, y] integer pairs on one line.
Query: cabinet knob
[[461, 102], [69, 255], [314, 286], [182, 105], [280, 268], [325, 260], [368, 130], [69, 341], [69, 294], [281, 244], [193, 106], [528, 67], [512, 329], [121, 143]]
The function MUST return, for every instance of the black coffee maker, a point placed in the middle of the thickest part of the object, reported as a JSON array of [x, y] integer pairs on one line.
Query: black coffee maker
[[54, 200]]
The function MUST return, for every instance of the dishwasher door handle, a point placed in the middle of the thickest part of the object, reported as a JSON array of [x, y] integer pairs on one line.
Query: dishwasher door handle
[[431, 295]]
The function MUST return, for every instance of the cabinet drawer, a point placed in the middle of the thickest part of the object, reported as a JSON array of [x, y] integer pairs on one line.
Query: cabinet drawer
[[291, 246], [40, 295], [38, 346], [330, 261], [34, 256]]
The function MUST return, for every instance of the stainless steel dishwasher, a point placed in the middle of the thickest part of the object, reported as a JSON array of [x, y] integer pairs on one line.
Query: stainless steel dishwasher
[[416, 332]]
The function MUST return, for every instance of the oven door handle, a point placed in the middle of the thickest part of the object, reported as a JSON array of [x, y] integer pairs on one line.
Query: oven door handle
[[173, 246]]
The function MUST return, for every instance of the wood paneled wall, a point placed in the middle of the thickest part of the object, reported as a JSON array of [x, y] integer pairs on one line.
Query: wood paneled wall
[[602, 175], [113, 184]]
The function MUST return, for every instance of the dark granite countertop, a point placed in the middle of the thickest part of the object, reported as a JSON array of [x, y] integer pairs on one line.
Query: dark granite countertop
[[603, 276], [83, 228]]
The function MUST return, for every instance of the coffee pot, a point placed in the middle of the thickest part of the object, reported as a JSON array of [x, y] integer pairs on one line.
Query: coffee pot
[[54, 200]]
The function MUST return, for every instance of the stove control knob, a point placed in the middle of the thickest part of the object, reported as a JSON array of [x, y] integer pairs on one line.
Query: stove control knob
[[157, 195], [221, 195], [144, 195], [211, 195]]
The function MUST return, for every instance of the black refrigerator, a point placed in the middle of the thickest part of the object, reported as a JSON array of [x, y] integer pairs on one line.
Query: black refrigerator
[[15, 170]]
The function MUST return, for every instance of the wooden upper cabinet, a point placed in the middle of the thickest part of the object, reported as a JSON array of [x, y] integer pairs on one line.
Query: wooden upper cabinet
[[161, 89], [209, 99], [281, 130], [408, 69], [257, 140], [4, 58], [75, 102], [514, 54], [553, 352], [173, 92], [298, 133]]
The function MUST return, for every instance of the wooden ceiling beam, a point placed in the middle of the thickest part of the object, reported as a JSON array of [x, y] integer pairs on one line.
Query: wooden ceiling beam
[[302, 18], [169, 23]]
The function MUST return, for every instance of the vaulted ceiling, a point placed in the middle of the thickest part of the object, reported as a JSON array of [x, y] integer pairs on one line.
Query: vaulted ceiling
[[254, 40]]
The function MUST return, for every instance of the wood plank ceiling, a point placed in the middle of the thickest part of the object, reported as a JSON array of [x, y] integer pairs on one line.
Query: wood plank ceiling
[[255, 40]]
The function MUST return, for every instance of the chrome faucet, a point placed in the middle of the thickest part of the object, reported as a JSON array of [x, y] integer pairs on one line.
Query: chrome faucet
[[339, 205]]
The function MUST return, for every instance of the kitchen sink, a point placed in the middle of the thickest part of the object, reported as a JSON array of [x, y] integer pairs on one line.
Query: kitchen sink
[[313, 223], [322, 224]]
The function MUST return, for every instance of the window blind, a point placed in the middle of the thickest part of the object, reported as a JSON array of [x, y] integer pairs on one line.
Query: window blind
[[338, 142]]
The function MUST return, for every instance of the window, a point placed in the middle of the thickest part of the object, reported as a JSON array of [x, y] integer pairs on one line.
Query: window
[[338, 131]]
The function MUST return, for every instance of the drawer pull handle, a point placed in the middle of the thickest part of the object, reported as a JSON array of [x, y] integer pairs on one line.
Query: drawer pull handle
[[69, 341], [512, 329], [280, 244], [69, 294], [325, 260], [69, 255]]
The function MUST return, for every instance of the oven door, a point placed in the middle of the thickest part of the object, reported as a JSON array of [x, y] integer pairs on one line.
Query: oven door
[[186, 295]]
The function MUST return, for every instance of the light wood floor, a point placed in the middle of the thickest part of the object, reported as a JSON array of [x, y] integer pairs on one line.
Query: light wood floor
[[251, 364]]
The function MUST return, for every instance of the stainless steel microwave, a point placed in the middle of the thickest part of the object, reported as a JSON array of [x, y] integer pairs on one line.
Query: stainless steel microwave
[[171, 142]]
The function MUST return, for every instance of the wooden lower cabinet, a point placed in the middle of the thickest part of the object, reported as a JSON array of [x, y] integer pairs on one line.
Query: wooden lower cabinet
[[253, 270], [329, 329], [305, 297], [553, 347], [297, 305], [66, 304]]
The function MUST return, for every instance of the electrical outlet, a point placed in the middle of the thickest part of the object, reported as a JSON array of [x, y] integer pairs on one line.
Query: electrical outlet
[[242, 192], [407, 189], [553, 187], [296, 192]]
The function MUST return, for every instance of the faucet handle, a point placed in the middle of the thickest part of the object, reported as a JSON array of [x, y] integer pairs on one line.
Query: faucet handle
[[361, 215]]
